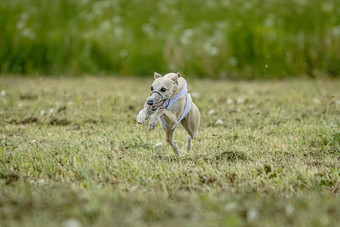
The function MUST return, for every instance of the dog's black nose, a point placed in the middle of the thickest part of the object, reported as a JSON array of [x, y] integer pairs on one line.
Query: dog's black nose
[[149, 102]]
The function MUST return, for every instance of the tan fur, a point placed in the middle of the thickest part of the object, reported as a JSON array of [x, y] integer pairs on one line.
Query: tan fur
[[174, 83]]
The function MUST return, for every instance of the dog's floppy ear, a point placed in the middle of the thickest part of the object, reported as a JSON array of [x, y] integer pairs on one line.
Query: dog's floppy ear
[[157, 75], [179, 75]]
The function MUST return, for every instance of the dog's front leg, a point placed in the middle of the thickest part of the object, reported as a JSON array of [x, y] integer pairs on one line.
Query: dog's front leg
[[154, 118], [161, 111], [144, 114]]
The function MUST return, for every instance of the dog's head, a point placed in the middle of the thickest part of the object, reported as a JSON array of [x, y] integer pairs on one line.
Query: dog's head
[[162, 89]]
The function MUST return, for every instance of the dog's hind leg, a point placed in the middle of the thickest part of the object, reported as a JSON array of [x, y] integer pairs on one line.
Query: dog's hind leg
[[188, 144], [191, 124], [169, 138]]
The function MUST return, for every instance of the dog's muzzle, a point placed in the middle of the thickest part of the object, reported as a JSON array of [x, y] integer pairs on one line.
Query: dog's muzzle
[[154, 105], [149, 102]]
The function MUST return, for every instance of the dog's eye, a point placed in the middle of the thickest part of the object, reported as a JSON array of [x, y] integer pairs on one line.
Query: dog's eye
[[163, 89], [151, 88]]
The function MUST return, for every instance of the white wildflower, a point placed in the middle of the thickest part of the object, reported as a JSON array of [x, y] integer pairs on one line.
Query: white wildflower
[[247, 5], [104, 27], [269, 21], [289, 209], [252, 214], [123, 53], [301, 2], [3, 93], [186, 36], [230, 101], [211, 112], [219, 122], [327, 7], [195, 95], [316, 101], [233, 61], [27, 32], [230, 206], [240, 100], [336, 31], [71, 222], [225, 3], [51, 110], [21, 24], [20, 105], [33, 141], [210, 49], [158, 144], [42, 113], [147, 29], [118, 31], [222, 25]]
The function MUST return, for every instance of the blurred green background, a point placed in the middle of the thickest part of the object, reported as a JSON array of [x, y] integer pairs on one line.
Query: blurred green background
[[216, 39]]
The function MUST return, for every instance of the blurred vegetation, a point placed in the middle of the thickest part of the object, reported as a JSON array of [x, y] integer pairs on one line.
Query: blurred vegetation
[[217, 39]]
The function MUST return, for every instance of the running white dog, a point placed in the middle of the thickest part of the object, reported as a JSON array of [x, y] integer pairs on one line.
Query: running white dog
[[171, 104]]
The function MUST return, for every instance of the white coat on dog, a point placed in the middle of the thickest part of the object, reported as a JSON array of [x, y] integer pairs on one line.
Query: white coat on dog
[[171, 103]]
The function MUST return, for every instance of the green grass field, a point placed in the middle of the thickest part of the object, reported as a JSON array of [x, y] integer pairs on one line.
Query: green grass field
[[71, 154]]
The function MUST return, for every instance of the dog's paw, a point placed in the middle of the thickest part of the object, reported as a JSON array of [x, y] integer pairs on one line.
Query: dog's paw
[[140, 120], [141, 117], [152, 124]]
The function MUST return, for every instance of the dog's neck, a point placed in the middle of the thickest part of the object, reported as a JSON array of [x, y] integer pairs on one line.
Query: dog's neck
[[182, 91], [180, 87]]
